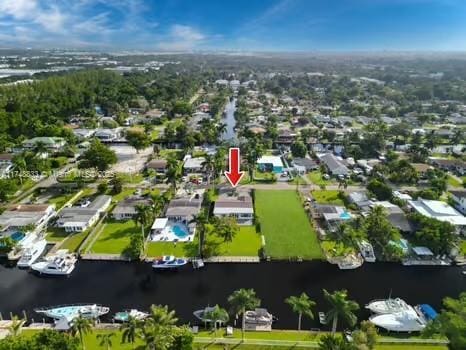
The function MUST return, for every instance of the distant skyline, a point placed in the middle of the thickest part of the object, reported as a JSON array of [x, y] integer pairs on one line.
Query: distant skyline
[[250, 25]]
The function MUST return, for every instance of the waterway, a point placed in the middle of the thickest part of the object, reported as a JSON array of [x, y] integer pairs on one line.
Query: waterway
[[136, 285], [229, 120]]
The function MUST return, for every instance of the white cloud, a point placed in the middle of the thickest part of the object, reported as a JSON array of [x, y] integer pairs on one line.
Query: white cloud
[[19, 9], [186, 33]]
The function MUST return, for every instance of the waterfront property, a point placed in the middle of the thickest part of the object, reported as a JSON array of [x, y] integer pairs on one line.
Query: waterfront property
[[78, 219], [439, 210], [114, 237], [164, 230], [236, 205], [184, 209], [23, 216], [285, 225], [126, 209]]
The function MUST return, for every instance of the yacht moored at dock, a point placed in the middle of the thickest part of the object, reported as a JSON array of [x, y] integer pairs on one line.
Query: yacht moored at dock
[[403, 321], [387, 306], [70, 312], [204, 315], [366, 250], [258, 320], [60, 264], [31, 254]]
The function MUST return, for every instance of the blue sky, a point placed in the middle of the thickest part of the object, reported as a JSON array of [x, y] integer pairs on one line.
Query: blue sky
[[277, 25]]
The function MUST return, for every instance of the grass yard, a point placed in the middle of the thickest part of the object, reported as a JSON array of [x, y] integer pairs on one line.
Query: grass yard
[[56, 234], [132, 178], [327, 197], [74, 240], [454, 182], [92, 343], [285, 226], [114, 237], [316, 178], [60, 200], [247, 242], [463, 247], [180, 249]]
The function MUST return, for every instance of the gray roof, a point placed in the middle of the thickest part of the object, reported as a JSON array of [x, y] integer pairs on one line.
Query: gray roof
[[333, 164], [99, 202], [184, 207], [128, 205], [234, 204], [308, 163]]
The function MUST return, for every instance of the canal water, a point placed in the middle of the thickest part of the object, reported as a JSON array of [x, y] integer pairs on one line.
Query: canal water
[[136, 285], [229, 120]]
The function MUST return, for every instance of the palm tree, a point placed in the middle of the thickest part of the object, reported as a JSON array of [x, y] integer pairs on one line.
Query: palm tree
[[341, 307], [302, 305], [16, 326], [160, 316], [129, 330], [173, 171], [240, 301], [201, 220], [217, 315], [81, 327], [20, 166], [226, 228], [144, 216], [209, 166], [105, 340]]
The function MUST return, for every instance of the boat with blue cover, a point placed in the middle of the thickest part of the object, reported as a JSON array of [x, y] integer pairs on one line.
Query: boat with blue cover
[[70, 312], [169, 262]]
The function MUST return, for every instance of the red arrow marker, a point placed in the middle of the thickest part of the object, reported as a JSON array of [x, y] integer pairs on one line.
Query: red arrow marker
[[234, 175]]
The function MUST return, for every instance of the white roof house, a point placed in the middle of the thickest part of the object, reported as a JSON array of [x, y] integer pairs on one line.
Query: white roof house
[[276, 161], [159, 223], [193, 164], [438, 210]]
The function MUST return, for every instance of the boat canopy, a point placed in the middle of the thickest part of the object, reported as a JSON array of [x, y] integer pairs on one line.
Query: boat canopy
[[428, 311]]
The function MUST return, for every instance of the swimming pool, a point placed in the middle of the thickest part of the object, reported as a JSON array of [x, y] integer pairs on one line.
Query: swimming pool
[[345, 216], [17, 236], [179, 231]]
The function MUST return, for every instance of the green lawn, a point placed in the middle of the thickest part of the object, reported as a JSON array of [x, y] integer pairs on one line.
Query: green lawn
[[245, 243], [316, 178], [327, 197], [285, 225], [74, 240], [114, 237], [180, 249], [452, 181], [60, 200], [463, 247], [130, 178], [56, 234], [92, 343]]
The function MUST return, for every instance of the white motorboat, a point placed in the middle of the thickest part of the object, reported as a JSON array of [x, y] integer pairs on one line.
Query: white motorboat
[[350, 262], [203, 315], [322, 318], [259, 316], [31, 254], [366, 250], [123, 316], [70, 312], [59, 264], [387, 306], [168, 262], [403, 321]]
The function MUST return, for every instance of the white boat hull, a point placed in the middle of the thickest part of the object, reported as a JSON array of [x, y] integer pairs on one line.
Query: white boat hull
[[387, 306], [30, 256], [41, 268], [405, 321]]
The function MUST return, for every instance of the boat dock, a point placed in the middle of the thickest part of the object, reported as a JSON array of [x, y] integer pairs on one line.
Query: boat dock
[[233, 259]]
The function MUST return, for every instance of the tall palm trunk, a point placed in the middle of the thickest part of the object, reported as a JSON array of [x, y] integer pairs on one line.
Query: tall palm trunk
[[243, 324], [334, 325], [299, 320]]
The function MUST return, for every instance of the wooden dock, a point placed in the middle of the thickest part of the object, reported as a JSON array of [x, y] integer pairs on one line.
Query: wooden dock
[[233, 259]]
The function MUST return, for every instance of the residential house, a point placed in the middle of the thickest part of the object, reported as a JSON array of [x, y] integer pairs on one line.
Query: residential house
[[22, 216], [270, 163], [304, 165], [158, 165], [184, 209], [334, 165], [286, 137], [83, 134], [239, 206], [51, 144], [439, 210], [360, 200], [459, 198], [332, 215], [454, 165], [108, 135], [396, 216], [126, 209], [193, 165], [78, 219]]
